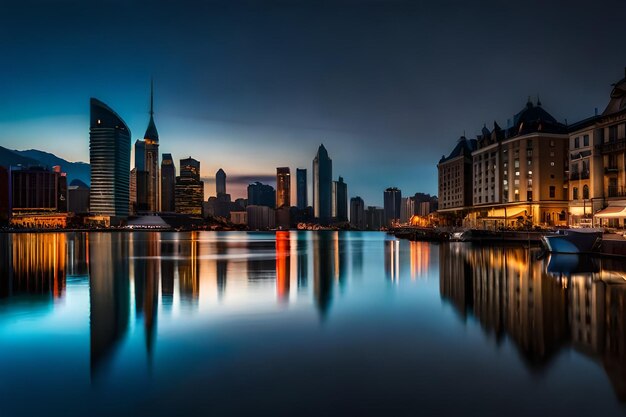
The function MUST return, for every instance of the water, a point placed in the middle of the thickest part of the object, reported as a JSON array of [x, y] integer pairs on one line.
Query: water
[[304, 323]]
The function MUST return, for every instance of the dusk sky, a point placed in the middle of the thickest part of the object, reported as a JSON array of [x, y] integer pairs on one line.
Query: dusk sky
[[387, 86]]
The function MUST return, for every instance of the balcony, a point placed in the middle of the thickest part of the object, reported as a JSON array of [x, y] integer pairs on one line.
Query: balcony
[[612, 147], [615, 191]]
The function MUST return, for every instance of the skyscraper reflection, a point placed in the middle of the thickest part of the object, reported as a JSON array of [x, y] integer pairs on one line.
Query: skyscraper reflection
[[511, 293], [167, 270], [77, 254], [323, 257], [109, 294], [302, 258], [188, 269], [283, 266], [392, 259], [221, 266]]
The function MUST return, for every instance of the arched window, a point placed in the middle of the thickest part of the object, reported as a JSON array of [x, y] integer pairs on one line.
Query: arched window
[[586, 192]]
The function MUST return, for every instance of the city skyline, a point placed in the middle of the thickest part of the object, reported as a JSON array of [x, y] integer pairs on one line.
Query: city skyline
[[322, 67]]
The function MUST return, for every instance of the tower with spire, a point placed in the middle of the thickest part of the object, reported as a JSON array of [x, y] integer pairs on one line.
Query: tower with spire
[[151, 141]]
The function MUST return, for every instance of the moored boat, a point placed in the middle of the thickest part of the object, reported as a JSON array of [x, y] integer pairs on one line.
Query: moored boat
[[573, 241]]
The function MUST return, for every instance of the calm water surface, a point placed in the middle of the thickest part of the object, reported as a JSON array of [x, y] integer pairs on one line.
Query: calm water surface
[[304, 323]]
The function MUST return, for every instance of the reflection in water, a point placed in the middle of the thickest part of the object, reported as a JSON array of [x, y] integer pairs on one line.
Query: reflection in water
[[542, 307], [109, 295], [514, 295], [323, 244], [36, 265], [282, 265]]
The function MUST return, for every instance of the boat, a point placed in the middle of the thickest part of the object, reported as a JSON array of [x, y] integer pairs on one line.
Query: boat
[[573, 241]]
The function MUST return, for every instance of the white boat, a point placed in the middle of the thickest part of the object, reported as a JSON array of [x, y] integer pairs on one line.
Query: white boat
[[573, 241]]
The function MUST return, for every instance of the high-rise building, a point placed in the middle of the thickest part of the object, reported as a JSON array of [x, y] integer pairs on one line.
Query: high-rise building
[[374, 218], [392, 200], [357, 213], [151, 139], [407, 209], [339, 210], [78, 197], [301, 188], [109, 157], [189, 190], [455, 177], [322, 185], [168, 183], [261, 195], [283, 187], [220, 182], [140, 155]]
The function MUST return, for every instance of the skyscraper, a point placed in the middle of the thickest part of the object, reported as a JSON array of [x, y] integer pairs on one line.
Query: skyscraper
[[168, 183], [109, 156], [140, 155], [283, 187], [220, 182], [340, 201], [301, 188], [357, 213], [151, 139], [322, 185], [189, 190], [392, 200], [261, 195]]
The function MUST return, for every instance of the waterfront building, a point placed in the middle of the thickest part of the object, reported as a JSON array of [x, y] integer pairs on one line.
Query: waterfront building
[[322, 185], [392, 198], [374, 218], [455, 178], [260, 217], [168, 184], [407, 209], [339, 211], [261, 195], [220, 182], [37, 190], [610, 136], [357, 213], [519, 175], [5, 199], [109, 156], [189, 190], [283, 187], [78, 197], [301, 189], [586, 173]]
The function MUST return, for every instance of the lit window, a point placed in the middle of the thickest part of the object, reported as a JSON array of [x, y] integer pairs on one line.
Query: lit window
[[552, 163]]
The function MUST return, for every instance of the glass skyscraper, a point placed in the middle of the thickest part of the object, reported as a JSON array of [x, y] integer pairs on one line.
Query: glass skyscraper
[[109, 156], [322, 185], [301, 188]]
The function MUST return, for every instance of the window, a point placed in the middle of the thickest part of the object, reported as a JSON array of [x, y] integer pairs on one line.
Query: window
[[529, 195], [530, 162], [552, 144], [586, 140], [552, 191], [575, 193], [612, 133], [517, 163], [576, 142], [552, 163], [586, 192], [530, 173]]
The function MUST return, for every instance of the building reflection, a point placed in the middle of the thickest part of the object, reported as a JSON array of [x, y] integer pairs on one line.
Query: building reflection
[[512, 294], [261, 264], [283, 266], [109, 295], [392, 260], [77, 254], [36, 265], [167, 270], [302, 259], [323, 263], [188, 266], [221, 266], [419, 259]]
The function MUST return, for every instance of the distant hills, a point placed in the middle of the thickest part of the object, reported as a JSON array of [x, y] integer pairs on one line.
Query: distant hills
[[75, 170]]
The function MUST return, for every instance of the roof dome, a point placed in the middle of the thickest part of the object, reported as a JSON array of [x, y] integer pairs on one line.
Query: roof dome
[[535, 119]]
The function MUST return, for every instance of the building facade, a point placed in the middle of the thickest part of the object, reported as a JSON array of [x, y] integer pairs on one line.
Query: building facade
[[392, 198], [109, 157], [283, 187], [339, 210], [189, 190], [261, 195], [220, 182], [357, 213], [168, 184], [455, 178], [322, 186], [301, 189]]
